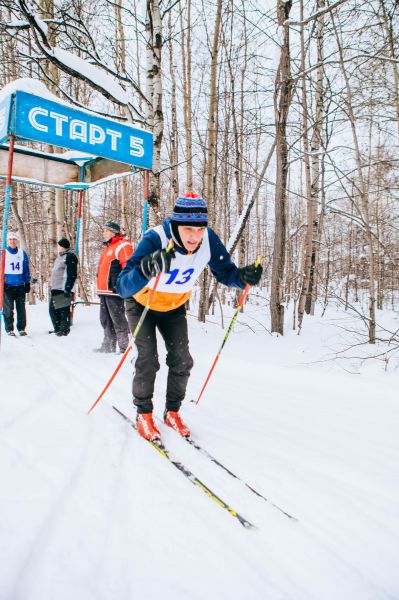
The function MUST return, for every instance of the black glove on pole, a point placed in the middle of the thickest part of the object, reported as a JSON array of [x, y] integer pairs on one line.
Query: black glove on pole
[[157, 262], [251, 274]]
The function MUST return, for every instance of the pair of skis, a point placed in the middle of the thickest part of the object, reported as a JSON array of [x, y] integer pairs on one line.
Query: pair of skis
[[160, 447]]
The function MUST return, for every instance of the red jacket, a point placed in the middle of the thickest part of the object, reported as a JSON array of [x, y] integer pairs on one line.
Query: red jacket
[[113, 259]]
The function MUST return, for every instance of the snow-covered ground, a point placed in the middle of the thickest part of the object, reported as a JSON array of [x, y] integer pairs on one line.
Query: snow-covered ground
[[88, 510]]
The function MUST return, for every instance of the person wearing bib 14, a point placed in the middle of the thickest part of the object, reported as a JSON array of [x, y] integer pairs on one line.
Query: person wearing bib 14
[[195, 246], [16, 285]]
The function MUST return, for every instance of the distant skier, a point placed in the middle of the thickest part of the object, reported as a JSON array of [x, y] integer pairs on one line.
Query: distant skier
[[63, 277], [118, 249], [195, 247], [16, 285]]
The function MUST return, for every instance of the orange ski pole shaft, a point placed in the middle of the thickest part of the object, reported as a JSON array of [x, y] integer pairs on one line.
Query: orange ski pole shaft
[[135, 334], [239, 307], [114, 374]]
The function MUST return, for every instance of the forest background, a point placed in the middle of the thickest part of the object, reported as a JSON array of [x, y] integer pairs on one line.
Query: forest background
[[284, 116]]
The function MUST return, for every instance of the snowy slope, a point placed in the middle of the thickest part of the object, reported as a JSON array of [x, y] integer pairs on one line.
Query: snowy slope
[[88, 510]]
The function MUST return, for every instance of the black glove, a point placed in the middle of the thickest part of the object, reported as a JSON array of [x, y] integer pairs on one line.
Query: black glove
[[251, 274], [157, 262], [67, 294], [27, 288]]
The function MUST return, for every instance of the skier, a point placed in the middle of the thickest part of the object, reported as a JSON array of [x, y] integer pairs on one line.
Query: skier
[[195, 246], [118, 249], [16, 285], [63, 279]]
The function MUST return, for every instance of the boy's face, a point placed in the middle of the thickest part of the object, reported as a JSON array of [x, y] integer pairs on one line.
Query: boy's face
[[191, 236], [13, 243], [108, 234]]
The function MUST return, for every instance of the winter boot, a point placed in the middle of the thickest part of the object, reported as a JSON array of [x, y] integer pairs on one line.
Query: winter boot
[[22, 333], [146, 427], [173, 419]]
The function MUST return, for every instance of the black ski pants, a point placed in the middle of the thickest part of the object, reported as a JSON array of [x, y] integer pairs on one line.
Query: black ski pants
[[114, 323], [172, 325], [61, 317], [14, 294]]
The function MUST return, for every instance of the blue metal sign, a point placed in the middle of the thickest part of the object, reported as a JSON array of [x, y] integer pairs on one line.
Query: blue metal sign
[[46, 121], [4, 118]]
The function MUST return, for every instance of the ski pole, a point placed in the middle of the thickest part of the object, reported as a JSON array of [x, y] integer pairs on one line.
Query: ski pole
[[135, 334], [239, 307]]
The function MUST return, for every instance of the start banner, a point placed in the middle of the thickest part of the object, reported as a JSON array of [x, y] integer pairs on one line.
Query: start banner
[[39, 119]]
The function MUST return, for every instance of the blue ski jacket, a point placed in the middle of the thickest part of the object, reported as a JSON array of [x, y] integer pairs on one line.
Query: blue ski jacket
[[131, 281], [18, 278]]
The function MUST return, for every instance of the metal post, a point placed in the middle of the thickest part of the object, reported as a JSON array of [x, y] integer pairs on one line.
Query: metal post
[[7, 203], [79, 219], [146, 194], [78, 224]]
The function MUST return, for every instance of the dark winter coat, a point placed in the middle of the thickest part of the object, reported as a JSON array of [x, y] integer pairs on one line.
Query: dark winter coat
[[65, 271]]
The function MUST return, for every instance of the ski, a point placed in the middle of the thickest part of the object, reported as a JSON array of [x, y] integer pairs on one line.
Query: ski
[[209, 456], [204, 452], [160, 447]]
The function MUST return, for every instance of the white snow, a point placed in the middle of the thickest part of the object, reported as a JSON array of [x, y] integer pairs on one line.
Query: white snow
[[88, 510], [38, 88], [42, 25], [15, 23], [91, 72], [31, 86]]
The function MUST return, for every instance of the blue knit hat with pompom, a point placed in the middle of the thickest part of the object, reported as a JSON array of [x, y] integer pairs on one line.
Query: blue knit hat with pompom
[[190, 210]]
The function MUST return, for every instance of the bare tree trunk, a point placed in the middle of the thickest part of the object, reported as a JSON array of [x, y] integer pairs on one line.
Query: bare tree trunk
[[186, 62], [316, 160], [282, 100], [237, 127], [210, 164], [362, 191], [56, 198], [174, 149], [307, 263], [154, 98], [120, 63], [212, 121], [391, 44]]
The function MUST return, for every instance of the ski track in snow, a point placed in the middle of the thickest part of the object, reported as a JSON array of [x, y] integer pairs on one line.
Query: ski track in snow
[[88, 510]]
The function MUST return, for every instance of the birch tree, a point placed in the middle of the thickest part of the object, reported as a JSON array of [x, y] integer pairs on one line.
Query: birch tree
[[282, 101]]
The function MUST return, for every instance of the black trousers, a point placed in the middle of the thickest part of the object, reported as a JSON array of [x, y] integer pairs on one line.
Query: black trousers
[[14, 294], [114, 323], [61, 317], [172, 325]]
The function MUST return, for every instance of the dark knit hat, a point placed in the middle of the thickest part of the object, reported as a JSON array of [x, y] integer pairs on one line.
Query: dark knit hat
[[112, 226], [190, 210], [64, 243]]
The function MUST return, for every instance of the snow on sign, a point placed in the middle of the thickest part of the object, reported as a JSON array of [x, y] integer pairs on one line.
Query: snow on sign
[[4, 118], [43, 120]]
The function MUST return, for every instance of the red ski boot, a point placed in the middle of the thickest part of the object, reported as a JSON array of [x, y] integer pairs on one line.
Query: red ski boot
[[173, 419], [146, 427]]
